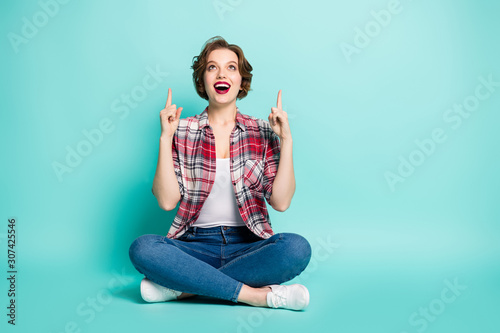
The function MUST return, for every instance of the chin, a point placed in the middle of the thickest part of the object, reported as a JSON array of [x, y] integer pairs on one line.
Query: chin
[[224, 99]]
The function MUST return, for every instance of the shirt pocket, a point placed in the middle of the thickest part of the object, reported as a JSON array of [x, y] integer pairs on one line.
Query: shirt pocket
[[253, 174]]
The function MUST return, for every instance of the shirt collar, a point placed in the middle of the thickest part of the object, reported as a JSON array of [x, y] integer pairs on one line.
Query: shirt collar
[[240, 119]]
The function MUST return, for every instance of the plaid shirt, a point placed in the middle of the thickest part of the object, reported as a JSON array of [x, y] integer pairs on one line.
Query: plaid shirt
[[254, 156]]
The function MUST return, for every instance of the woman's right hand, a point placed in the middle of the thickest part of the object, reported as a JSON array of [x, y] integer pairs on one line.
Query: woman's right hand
[[169, 117]]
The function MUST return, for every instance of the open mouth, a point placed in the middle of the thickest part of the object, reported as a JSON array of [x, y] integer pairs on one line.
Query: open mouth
[[222, 87]]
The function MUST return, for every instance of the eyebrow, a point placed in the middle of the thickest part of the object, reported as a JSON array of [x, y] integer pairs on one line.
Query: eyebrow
[[227, 62]]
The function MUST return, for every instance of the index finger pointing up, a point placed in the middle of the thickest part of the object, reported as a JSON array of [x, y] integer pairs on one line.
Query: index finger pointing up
[[279, 100], [169, 98]]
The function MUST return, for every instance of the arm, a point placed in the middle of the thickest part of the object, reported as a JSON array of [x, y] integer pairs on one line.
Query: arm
[[165, 185], [284, 182]]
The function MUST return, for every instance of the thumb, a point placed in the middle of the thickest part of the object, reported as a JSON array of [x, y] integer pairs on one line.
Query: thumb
[[178, 113]]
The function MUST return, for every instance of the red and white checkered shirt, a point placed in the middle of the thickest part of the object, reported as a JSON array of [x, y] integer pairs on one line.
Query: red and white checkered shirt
[[253, 156]]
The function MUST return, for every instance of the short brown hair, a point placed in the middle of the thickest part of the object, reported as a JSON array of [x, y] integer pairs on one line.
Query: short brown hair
[[200, 63]]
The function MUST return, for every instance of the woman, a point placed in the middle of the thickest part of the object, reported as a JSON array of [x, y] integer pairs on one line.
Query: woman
[[221, 165]]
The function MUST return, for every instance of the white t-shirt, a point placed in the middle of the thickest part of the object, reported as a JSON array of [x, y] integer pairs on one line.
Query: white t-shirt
[[220, 207]]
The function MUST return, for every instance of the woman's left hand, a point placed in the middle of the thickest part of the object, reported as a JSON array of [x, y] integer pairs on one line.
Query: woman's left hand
[[279, 121]]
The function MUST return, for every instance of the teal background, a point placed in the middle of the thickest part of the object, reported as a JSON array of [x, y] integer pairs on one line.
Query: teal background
[[389, 252]]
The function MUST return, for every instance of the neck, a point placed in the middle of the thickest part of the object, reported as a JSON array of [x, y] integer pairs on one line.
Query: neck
[[221, 114]]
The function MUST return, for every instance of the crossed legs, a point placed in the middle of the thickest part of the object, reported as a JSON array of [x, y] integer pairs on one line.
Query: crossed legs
[[244, 278]]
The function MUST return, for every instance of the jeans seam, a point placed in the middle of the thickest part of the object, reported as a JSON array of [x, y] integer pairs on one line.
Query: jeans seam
[[237, 292], [205, 254], [247, 254], [205, 233]]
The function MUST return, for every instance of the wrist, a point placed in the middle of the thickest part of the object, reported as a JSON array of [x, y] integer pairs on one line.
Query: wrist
[[286, 141], [166, 139]]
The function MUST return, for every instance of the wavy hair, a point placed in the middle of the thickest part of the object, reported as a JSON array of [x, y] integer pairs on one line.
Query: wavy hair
[[200, 64]]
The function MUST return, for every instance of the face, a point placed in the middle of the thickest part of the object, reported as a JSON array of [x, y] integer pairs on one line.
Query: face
[[222, 77]]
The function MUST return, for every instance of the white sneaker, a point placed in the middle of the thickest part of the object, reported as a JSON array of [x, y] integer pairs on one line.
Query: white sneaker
[[293, 297], [153, 292]]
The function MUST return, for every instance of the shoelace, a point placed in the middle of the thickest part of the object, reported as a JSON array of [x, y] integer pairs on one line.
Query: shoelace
[[279, 298]]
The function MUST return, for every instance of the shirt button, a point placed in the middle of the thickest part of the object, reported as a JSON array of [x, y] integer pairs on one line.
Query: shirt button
[[225, 228]]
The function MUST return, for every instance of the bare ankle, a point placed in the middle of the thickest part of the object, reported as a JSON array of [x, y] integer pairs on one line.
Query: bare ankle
[[254, 296], [184, 295]]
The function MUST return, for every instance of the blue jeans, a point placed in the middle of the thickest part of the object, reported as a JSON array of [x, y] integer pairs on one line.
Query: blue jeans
[[217, 261]]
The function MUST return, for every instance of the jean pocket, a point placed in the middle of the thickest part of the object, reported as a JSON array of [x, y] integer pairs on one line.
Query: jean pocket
[[254, 174], [187, 236]]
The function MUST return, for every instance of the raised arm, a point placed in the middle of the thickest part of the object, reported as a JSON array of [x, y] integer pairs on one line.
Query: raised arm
[[284, 182], [165, 185]]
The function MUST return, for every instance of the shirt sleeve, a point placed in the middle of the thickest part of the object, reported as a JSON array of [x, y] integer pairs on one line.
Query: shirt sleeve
[[272, 159], [177, 165]]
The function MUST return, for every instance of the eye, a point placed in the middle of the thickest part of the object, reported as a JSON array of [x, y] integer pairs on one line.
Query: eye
[[232, 67], [210, 67]]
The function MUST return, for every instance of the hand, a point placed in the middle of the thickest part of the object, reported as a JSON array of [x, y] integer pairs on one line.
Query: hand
[[169, 117], [279, 121]]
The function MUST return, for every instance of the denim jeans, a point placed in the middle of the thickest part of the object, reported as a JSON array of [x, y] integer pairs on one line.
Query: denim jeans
[[217, 261]]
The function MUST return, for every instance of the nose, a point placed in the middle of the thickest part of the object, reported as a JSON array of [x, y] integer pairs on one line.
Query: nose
[[221, 74]]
